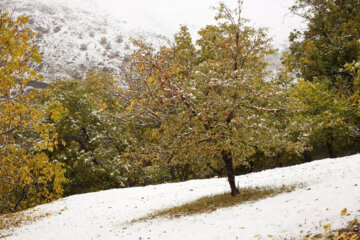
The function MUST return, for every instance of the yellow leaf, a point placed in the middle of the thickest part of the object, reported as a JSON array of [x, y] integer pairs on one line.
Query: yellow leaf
[[353, 222], [344, 212], [257, 235], [327, 227]]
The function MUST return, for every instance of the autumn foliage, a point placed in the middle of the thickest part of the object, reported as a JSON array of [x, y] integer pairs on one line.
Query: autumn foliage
[[26, 175], [189, 110], [213, 106]]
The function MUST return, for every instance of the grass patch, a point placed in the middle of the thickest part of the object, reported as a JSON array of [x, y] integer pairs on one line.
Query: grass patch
[[211, 203]]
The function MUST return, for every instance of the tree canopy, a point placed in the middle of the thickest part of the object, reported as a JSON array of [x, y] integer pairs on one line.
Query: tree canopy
[[211, 104], [330, 41], [320, 57], [26, 175]]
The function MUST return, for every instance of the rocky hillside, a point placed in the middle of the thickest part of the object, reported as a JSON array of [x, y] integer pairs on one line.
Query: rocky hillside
[[76, 37]]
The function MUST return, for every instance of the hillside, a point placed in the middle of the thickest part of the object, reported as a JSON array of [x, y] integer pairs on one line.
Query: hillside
[[76, 37], [328, 186], [79, 36]]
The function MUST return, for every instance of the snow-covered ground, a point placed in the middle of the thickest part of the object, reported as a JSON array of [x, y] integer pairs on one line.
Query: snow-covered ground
[[331, 185]]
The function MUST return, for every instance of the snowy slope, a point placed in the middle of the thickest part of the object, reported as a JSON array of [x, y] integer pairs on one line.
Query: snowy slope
[[77, 36], [331, 185]]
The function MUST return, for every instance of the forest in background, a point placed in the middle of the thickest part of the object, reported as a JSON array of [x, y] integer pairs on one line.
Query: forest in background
[[188, 111]]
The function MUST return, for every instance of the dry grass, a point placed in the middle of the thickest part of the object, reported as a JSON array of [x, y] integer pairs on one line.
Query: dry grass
[[9, 222], [343, 234], [350, 232], [212, 203]]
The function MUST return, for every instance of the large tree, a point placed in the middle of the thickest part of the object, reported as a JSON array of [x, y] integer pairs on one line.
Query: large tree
[[212, 105]]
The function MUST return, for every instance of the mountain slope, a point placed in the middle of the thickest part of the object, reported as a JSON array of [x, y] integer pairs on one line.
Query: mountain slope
[[76, 37], [331, 185]]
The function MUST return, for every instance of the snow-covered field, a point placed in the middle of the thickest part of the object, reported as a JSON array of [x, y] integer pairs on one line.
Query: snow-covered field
[[331, 185]]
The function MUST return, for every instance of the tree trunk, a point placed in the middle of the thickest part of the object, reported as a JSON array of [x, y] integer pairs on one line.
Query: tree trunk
[[307, 156], [173, 175], [228, 161], [278, 162], [330, 150], [329, 147], [186, 172]]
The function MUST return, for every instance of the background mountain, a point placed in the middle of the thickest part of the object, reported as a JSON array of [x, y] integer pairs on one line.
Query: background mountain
[[78, 36]]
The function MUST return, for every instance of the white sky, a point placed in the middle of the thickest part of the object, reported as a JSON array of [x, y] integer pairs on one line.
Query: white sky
[[165, 16]]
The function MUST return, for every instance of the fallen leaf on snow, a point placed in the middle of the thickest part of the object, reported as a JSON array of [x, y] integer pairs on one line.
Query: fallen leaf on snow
[[344, 212]]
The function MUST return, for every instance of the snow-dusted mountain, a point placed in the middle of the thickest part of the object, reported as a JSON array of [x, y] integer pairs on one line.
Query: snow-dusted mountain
[[77, 37]]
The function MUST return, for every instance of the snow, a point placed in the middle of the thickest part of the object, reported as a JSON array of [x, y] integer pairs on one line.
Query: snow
[[164, 16], [76, 37], [70, 32], [331, 185]]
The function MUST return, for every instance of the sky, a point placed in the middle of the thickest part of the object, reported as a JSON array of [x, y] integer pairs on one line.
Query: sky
[[165, 16]]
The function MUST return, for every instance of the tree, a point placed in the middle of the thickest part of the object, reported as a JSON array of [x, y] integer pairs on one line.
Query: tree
[[330, 41], [214, 105], [354, 68], [149, 97], [318, 58], [331, 114], [26, 175], [92, 139]]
